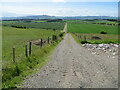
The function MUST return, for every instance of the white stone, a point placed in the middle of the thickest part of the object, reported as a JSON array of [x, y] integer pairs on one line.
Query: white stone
[[100, 45], [114, 53], [115, 45], [103, 48], [110, 50]]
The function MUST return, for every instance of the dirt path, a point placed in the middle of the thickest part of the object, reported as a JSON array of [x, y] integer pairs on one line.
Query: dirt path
[[73, 66], [65, 28]]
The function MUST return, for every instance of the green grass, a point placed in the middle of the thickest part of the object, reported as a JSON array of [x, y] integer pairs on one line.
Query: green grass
[[34, 24], [105, 38], [39, 21], [26, 66], [91, 28], [87, 28], [107, 22], [18, 38]]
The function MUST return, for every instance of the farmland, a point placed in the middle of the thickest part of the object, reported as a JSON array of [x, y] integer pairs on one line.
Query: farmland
[[36, 24], [18, 37], [19, 33], [89, 30]]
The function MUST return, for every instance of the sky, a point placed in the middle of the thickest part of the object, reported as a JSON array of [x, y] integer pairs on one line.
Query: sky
[[60, 7]]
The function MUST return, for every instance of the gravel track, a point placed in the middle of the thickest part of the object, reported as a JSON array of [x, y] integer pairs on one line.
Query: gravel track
[[73, 66]]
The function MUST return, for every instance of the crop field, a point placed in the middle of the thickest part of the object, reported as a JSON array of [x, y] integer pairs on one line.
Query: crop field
[[18, 38]]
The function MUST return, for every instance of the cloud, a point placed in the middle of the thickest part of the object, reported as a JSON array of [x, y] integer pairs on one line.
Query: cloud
[[58, 9], [58, 0], [25, 0]]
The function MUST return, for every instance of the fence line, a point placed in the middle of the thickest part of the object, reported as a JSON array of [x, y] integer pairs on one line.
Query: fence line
[[41, 43]]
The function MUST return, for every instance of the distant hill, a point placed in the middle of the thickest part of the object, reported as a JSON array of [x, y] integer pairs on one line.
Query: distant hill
[[90, 17], [30, 17], [57, 17]]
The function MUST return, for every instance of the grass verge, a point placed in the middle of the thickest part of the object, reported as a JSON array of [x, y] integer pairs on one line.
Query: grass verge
[[12, 75], [87, 38]]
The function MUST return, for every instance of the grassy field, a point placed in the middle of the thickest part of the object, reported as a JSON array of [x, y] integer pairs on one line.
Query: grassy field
[[36, 24], [88, 29], [39, 21], [91, 28], [18, 38]]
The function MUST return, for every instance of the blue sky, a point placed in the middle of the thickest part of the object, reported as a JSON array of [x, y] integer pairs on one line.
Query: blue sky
[[61, 8]]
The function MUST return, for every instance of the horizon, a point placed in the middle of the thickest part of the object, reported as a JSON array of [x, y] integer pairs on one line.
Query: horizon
[[60, 16]]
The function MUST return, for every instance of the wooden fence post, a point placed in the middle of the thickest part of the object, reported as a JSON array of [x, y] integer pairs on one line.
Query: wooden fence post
[[30, 48], [56, 38], [53, 37], [17, 69], [41, 42], [13, 54], [48, 40], [26, 50], [84, 37]]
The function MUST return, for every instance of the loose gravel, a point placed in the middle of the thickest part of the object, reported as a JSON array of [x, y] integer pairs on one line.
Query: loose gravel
[[78, 66]]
